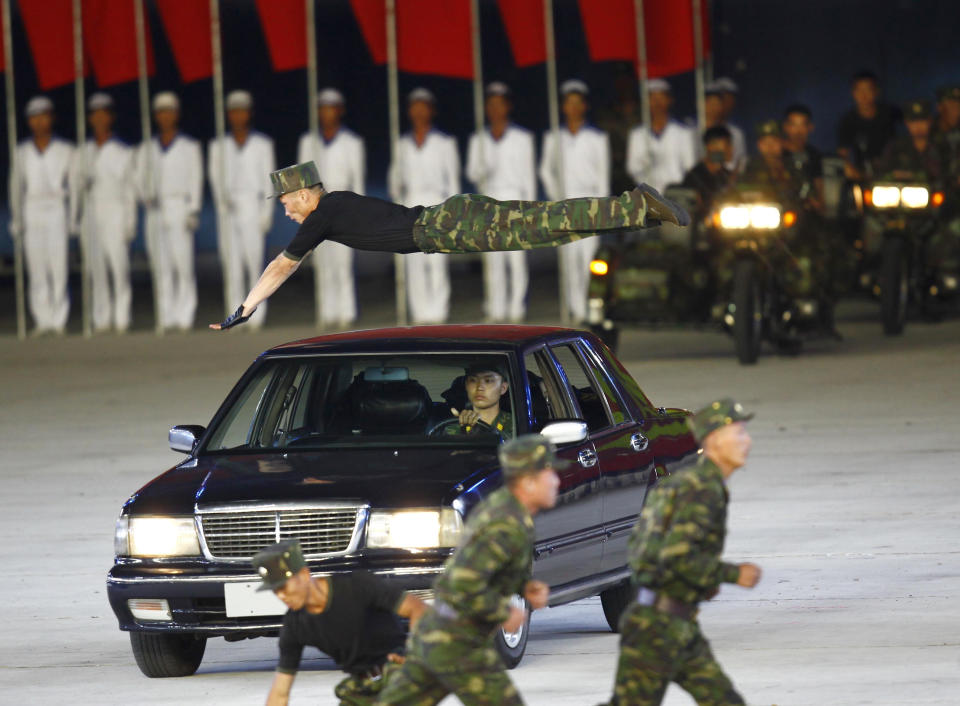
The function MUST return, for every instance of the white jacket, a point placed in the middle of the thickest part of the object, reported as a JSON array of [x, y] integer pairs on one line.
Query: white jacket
[[342, 161], [507, 169], [109, 181], [586, 164], [427, 174], [177, 173], [44, 177], [660, 160], [247, 172]]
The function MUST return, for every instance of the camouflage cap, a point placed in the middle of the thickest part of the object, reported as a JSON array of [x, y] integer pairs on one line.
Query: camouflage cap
[[716, 415], [299, 176], [528, 455], [768, 128], [917, 110], [277, 563], [951, 92]]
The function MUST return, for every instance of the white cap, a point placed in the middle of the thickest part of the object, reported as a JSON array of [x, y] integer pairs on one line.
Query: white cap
[[330, 96], [498, 88], [100, 101], [422, 94], [166, 100], [574, 85], [712, 88], [239, 100], [38, 105], [658, 85], [727, 85]]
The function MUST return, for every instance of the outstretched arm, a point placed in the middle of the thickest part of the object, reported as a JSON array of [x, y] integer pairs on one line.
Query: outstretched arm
[[277, 272], [280, 689]]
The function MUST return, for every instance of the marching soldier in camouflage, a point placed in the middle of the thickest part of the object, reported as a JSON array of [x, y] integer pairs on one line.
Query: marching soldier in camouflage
[[452, 650], [674, 554], [465, 223]]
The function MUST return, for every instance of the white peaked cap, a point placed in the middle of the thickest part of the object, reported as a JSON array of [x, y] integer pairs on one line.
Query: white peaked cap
[[658, 85], [239, 100], [38, 105], [166, 100], [421, 94], [330, 96], [574, 85], [100, 101]]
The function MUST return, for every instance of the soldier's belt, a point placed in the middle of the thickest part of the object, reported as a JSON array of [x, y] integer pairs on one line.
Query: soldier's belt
[[665, 604]]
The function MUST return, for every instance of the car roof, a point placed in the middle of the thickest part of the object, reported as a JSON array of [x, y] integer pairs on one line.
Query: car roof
[[434, 338]]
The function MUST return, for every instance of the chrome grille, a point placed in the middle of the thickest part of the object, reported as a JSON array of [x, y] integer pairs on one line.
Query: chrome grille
[[240, 535]]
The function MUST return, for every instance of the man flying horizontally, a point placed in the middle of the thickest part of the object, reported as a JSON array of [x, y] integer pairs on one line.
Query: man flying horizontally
[[465, 223]]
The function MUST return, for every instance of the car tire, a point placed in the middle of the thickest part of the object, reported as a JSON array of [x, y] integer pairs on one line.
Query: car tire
[[615, 601], [512, 646], [162, 655], [748, 312], [894, 286]]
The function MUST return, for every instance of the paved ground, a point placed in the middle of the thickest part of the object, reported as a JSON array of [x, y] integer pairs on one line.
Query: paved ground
[[849, 503]]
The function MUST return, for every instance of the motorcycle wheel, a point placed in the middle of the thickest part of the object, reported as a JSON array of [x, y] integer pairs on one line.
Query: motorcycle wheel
[[748, 312], [894, 286]]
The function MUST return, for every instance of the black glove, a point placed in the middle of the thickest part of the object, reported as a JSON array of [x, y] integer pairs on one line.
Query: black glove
[[235, 318]]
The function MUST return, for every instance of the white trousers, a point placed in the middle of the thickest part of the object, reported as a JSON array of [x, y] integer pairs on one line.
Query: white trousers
[[243, 259], [428, 287], [45, 249], [109, 262], [172, 255], [338, 298], [575, 267], [506, 281]]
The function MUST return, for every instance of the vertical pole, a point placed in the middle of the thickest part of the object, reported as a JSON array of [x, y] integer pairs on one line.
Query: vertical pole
[[478, 119], [642, 68], [15, 191], [224, 232], [553, 100], [149, 195], [708, 58], [80, 191], [393, 97], [698, 61], [314, 127]]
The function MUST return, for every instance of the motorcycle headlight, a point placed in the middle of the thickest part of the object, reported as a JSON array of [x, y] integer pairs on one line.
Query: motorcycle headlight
[[914, 196], [757, 216], [414, 529], [764, 217], [734, 217], [886, 196], [156, 537]]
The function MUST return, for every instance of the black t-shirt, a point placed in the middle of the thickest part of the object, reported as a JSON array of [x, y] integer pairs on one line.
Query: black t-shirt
[[362, 222], [706, 183], [358, 628], [807, 161], [867, 138]]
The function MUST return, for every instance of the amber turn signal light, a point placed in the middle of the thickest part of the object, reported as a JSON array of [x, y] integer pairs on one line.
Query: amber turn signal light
[[937, 198], [599, 267], [789, 218]]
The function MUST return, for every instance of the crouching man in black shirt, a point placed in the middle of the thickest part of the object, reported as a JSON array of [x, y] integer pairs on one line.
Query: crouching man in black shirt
[[354, 619], [464, 223]]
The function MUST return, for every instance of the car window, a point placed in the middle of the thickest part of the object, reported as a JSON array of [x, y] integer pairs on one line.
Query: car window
[[321, 400], [546, 399], [584, 388], [610, 392], [627, 383]]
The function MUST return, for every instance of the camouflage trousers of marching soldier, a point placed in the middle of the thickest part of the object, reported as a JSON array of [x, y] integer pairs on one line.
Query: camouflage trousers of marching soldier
[[450, 657], [359, 690], [469, 223], [657, 648]]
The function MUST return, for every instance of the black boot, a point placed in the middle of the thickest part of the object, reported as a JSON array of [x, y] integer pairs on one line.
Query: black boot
[[660, 209]]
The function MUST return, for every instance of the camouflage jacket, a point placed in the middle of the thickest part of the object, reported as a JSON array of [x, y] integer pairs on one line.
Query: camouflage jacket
[[676, 545], [492, 563], [502, 424], [901, 160]]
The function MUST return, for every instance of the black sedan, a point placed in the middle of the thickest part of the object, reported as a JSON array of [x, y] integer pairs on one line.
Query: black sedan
[[348, 442]]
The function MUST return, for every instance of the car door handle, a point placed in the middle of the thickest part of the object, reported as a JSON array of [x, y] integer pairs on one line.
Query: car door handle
[[638, 442], [587, 458]]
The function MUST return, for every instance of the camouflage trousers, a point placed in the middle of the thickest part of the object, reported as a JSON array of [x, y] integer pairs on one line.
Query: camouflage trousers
[[657, 648], [472, 223], [449, 657], [362, 691]]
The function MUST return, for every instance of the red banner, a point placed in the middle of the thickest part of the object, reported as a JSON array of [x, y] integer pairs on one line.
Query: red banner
[[284, 27], [433, 36], [611, 32], [49, 27], [523, 20], [187, 26], [110, 39]]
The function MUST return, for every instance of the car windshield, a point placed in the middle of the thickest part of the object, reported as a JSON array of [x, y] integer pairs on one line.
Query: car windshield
[[319, 401]]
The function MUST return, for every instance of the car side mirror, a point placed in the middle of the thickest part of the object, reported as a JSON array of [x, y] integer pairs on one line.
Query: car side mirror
[[184, 437], [569, 431]]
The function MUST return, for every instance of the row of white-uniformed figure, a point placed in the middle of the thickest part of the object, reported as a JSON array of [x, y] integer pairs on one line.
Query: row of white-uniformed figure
[[167, 181]]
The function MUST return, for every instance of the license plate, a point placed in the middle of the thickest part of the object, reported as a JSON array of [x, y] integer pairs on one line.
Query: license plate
[[243, 600]]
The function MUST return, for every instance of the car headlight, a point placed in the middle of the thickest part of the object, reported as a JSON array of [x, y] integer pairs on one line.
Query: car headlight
[[414, 529], [734, 217], [156, 537], [914, 196], [885, 196]]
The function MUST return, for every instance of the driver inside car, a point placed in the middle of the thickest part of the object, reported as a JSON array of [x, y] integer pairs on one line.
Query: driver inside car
[[485, 384]]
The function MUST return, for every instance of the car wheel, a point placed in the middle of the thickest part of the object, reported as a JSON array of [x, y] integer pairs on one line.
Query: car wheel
[[894, 286], [614, 601], [160, 655], [511, 646]]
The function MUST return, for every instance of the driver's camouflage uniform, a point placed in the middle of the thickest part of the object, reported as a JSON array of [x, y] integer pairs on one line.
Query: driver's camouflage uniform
[[451, 650], [502, 425]]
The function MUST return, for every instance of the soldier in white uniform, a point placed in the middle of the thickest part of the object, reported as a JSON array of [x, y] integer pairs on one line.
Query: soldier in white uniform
[[663, 152], [428, 173], [340, 156], [172, 194], [585, 158], [714, 116], [44, 193], [248, 161], [109, 206], [504, 169]]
